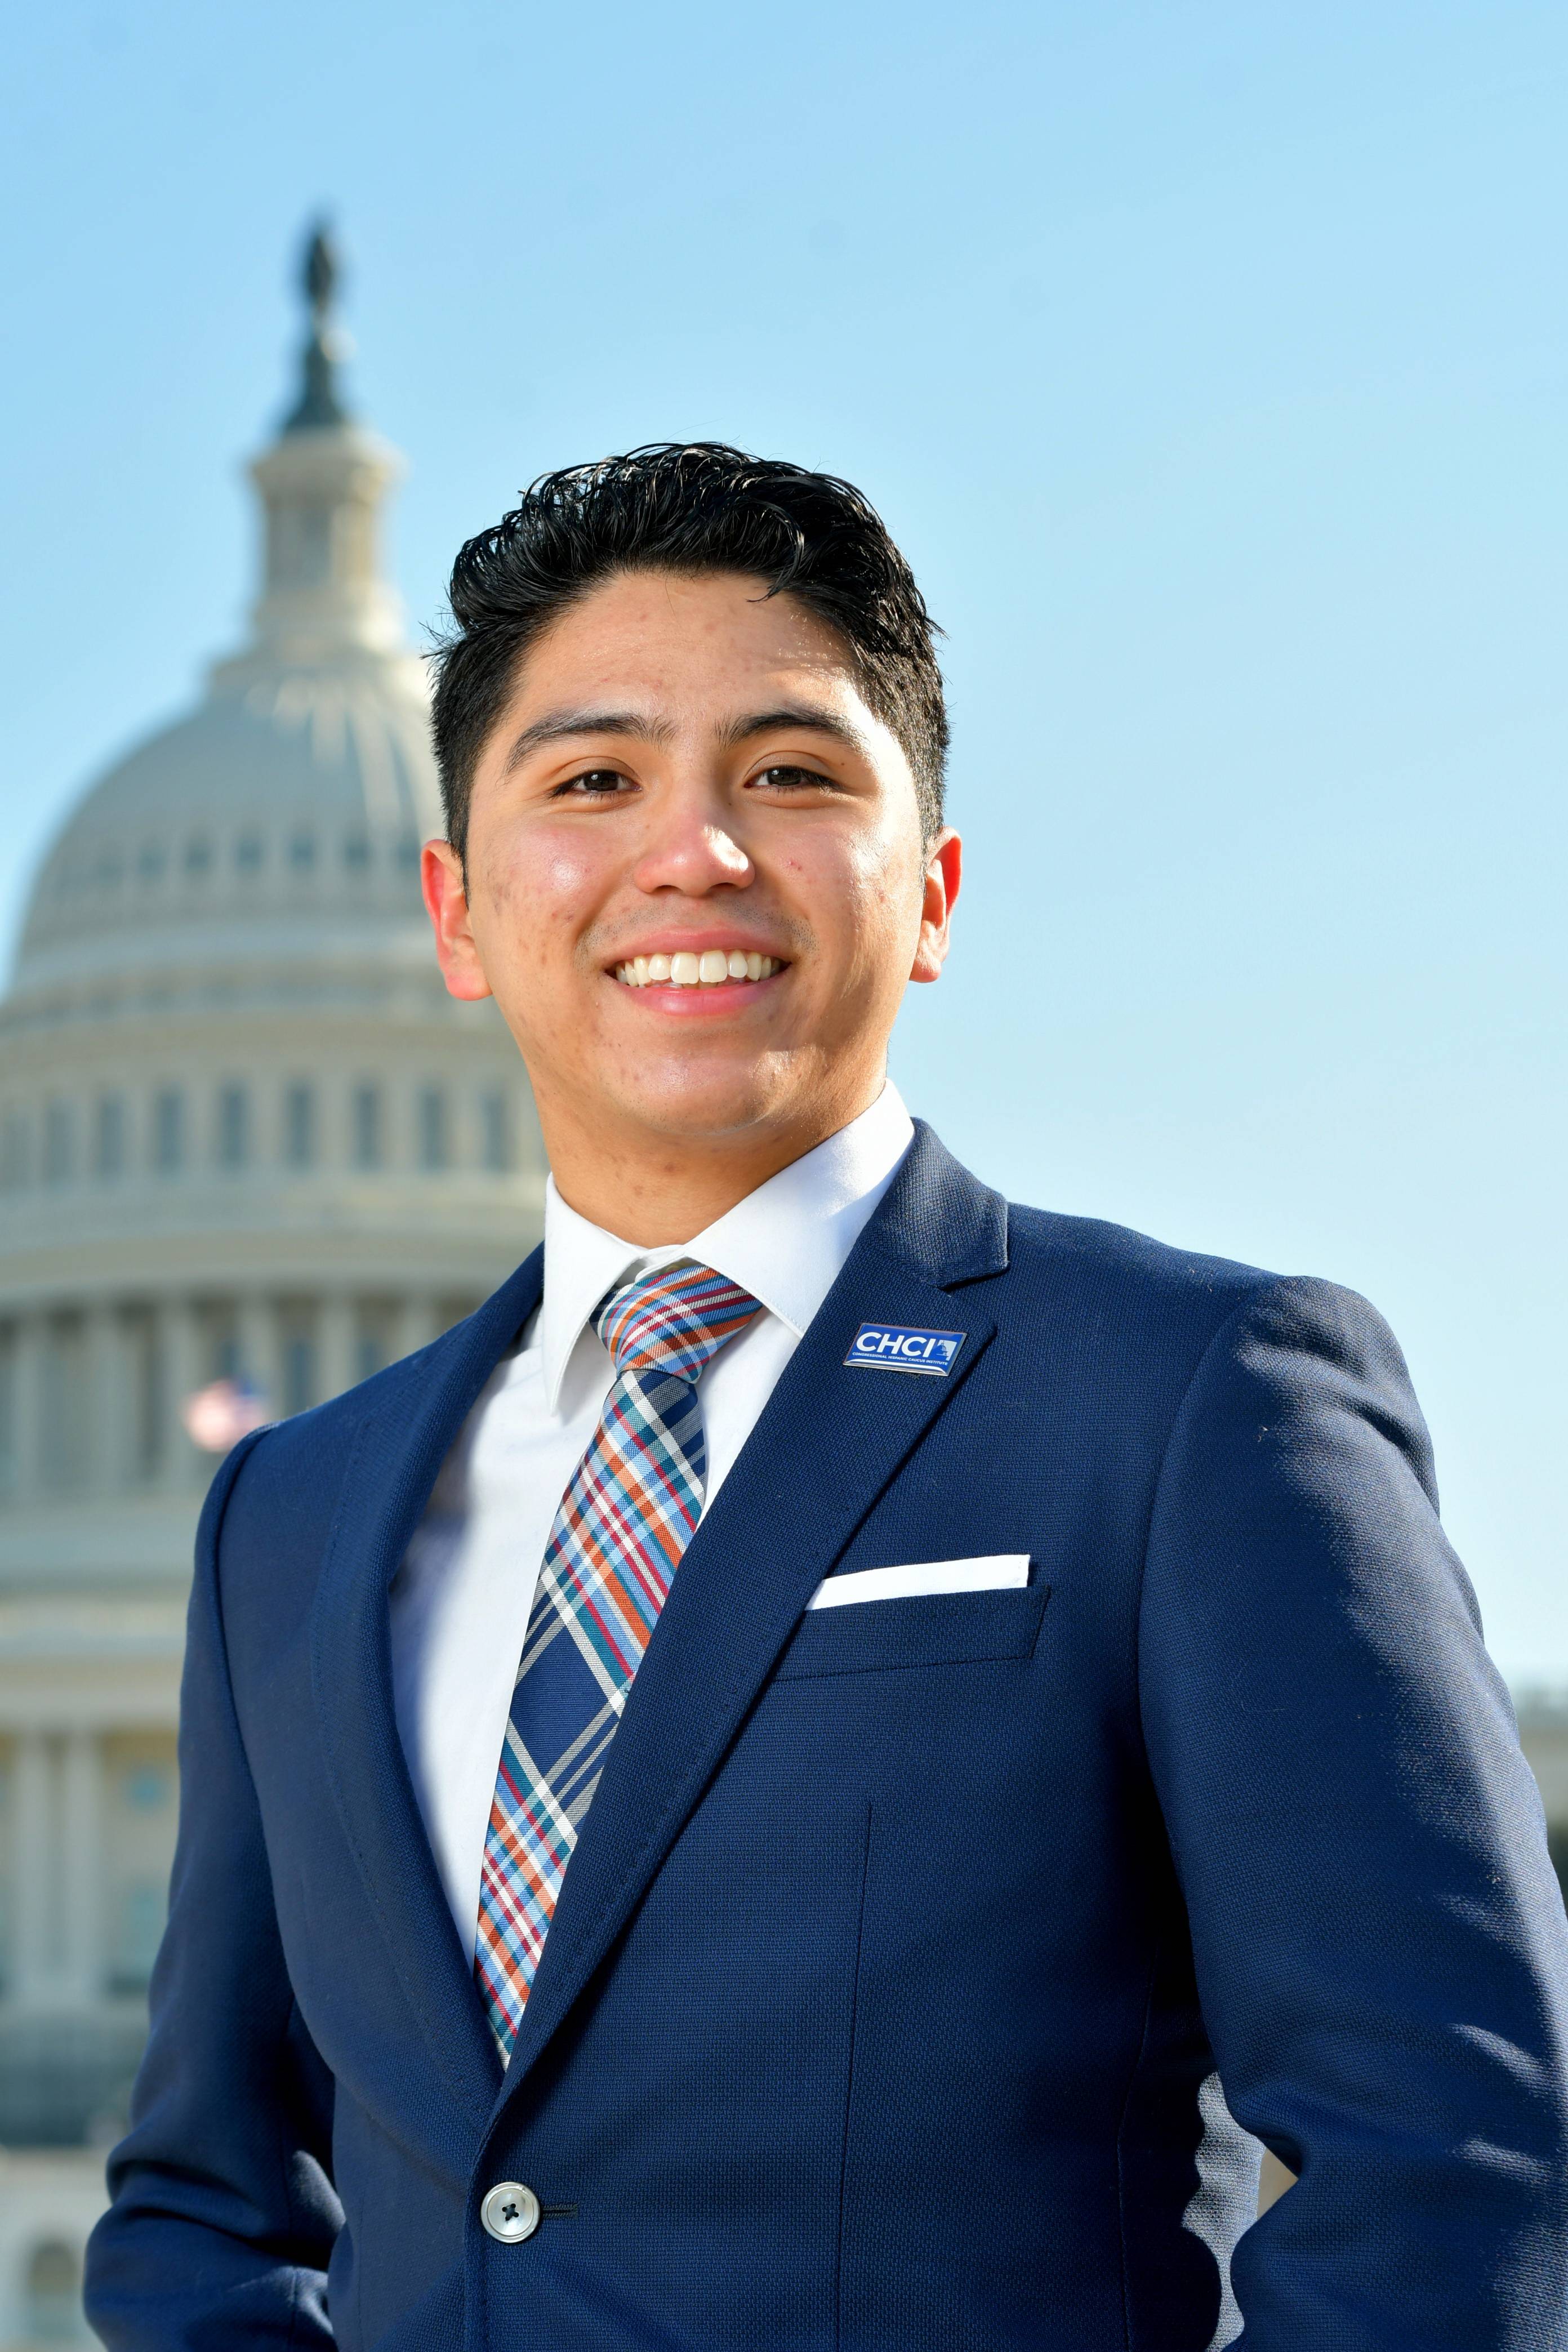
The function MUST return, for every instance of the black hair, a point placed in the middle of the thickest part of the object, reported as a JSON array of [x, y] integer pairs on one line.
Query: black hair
[[694, 508]]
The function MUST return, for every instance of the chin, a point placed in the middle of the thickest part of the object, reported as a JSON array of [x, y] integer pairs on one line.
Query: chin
[[710, 1108]]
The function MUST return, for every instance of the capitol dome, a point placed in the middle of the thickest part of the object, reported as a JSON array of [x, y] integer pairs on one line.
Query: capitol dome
[[248, 1145], [283, 817]]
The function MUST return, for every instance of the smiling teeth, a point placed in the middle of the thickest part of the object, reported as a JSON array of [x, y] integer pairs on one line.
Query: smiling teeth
[[705, 971]]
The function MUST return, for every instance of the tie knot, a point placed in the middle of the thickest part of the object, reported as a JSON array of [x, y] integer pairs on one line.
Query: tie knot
[[673, 1321]]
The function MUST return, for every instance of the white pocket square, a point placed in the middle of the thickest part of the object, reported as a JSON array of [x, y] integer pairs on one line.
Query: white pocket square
[[993, 1574]]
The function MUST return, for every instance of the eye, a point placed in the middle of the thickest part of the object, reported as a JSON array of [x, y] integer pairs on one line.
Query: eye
[[593, 784], [794, 780]]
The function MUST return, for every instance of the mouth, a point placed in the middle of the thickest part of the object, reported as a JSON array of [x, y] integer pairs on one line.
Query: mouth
[[712, 967]]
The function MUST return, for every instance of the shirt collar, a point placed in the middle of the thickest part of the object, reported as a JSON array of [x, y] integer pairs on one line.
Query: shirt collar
[[785, 1243]]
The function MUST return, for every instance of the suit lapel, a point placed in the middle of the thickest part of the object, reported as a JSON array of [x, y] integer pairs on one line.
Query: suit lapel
[[395, 1457], [829, 1441]]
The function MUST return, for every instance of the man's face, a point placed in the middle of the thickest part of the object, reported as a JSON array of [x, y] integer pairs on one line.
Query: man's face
[[686, 781]]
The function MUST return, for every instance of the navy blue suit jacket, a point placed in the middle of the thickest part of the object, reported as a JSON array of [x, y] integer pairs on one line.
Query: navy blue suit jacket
[[904, 1940]]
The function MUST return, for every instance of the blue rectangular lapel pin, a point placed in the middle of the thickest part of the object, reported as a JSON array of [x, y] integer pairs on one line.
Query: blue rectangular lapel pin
[[901, 1347]]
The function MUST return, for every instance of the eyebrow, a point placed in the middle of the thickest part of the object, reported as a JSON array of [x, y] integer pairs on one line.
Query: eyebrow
[[558, 726], [799, 716]]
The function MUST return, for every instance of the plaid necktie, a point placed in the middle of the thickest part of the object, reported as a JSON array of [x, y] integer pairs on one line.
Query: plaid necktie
[[624, 1522]]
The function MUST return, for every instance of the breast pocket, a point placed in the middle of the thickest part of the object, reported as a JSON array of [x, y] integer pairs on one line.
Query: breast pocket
[[938, 1629]]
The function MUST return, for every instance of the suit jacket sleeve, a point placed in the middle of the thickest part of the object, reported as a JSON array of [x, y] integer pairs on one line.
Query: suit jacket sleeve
[[223, 2214], [1379, 1939]]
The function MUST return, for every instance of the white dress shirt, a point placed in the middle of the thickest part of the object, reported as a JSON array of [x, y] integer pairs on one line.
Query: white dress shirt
[[460, 1599]]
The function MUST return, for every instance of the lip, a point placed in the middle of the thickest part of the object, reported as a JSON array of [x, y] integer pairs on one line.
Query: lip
[[712, 997]]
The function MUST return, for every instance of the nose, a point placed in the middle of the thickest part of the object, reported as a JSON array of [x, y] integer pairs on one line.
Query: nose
[[691, 850]]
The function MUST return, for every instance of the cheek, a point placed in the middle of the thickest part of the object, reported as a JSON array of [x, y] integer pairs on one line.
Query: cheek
[[853, 867], [540, 884], [875, 894]]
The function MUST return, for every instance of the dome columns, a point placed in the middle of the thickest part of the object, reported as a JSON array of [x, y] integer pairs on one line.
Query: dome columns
[[56, 1894], [94, 1388]]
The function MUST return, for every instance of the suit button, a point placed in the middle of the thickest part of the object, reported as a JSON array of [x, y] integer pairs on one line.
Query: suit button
[[511, 2213]]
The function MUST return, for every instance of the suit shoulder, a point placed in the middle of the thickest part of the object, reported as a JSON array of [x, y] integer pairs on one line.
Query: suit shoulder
[[297, 1465], [294, 1455], [1044, 1246], [279, 1500], [1125, 1280], [1127, 1319], [1154, 1334]]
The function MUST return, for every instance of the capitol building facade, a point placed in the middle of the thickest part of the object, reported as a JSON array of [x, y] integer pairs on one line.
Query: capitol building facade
[[249, 1146]]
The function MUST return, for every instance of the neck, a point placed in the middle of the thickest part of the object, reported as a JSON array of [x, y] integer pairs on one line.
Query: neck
[[651, 1187]]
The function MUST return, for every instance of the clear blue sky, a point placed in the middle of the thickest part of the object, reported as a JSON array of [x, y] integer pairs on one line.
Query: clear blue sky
[[1209, 361]]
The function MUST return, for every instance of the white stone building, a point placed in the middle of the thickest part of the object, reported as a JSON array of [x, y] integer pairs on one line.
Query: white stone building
[[243, 1133]]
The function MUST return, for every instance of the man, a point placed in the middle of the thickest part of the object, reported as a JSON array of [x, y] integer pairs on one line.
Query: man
[[782, 1783]]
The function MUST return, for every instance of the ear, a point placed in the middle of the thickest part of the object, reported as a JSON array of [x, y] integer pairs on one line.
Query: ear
[[447, 904], [944, 871]]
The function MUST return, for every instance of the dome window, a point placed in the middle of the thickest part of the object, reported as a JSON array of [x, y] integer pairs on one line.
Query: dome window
[[495, 1133], [65, 1422], [367, 1127], [298, 1364], [247, 854], [108, 1136], [357, 853], [169, 1132], [432, 1126], [233, 1126], [16, 1151], [302, 852], [299, 1125], [376, 1337], [150, 862], [198, 857], [145, 1363]]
